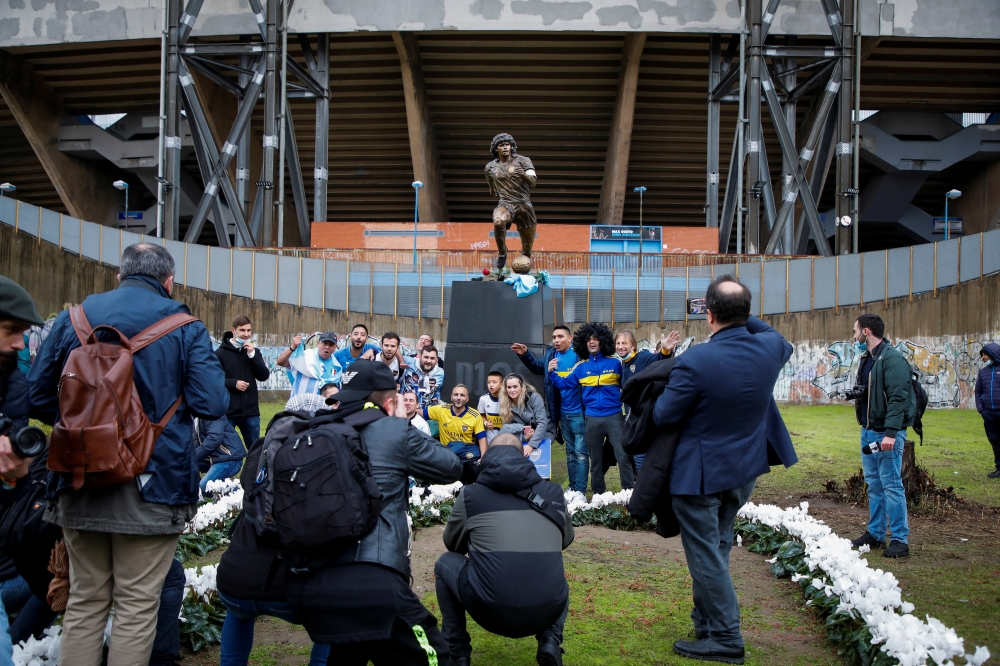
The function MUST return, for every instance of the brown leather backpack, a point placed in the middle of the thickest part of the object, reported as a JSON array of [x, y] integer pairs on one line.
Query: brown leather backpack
[[103, 436]]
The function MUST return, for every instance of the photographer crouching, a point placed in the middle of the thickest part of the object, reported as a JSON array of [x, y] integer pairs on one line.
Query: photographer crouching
[[19, 442], [885, 406]]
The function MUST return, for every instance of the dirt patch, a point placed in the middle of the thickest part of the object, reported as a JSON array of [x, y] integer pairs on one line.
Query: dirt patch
[[972, 530], [428, 545]]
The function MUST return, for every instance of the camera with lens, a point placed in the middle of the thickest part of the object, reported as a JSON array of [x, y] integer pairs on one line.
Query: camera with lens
[[855, 393], [27, 442]]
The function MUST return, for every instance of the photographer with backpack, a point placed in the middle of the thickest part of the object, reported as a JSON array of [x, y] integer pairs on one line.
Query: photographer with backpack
[[886, 407], [353, 593], [120, 377]]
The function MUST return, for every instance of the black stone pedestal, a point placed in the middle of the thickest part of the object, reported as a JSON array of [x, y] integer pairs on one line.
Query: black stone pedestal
[[486, 318]]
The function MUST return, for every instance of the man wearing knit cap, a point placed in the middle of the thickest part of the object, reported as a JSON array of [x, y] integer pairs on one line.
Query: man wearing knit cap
[[17, 314]]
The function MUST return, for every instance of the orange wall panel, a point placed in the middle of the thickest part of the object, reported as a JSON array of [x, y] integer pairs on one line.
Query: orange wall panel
[[476, 236]]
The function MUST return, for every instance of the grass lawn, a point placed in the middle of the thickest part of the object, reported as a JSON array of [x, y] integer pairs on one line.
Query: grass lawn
[[629, 605], [955, 450], [826, 438]]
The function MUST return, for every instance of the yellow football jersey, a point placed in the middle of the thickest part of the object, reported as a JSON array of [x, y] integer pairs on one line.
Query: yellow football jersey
[[466, 427]]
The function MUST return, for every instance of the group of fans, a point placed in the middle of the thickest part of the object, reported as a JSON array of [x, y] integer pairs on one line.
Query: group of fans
[[583, 373]]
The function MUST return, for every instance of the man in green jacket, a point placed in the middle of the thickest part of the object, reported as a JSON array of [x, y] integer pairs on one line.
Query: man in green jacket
[[884, 410]]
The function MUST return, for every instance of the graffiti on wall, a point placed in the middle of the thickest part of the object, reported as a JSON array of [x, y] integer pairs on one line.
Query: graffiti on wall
[[818, 371]]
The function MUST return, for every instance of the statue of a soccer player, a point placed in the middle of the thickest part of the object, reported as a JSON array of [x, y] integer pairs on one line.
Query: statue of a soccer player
[[511, 177]]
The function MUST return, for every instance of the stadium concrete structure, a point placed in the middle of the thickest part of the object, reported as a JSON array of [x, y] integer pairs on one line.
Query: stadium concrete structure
[[815, 112]]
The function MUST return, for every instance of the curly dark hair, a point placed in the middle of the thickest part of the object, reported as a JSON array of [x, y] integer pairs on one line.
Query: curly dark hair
[[593, 330], [503, 137]]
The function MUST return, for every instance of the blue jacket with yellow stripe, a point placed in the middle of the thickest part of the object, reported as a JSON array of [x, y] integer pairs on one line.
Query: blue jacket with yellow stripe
[[600, 378]]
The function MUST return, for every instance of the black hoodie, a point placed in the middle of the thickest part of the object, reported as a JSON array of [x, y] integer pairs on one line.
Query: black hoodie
[[515, 552], [239, 367]]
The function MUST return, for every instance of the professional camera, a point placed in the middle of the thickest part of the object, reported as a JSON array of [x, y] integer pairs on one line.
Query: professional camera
[[855, 393], [27, 442]]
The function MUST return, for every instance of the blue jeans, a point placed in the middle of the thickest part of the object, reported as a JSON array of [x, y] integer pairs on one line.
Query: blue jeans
[[237, 630], [167, 644], [577, 458], [249, 427], [222, 470], [15, 593], [36, 616], [6, 647], [886, 497], [706, 523]]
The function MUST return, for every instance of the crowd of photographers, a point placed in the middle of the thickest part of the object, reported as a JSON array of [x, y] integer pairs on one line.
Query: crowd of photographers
[[146, 414]]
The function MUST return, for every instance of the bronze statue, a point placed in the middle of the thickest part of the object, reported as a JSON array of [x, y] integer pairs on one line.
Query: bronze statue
[[510, 177]]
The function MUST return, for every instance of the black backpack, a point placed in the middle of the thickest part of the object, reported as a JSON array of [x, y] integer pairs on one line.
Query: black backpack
[[314, 489], [921, 395]]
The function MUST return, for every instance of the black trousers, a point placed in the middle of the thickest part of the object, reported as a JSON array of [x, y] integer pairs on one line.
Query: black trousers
[[367, 612], [991, 423], [597, 428], [420, 643], [455, 597]]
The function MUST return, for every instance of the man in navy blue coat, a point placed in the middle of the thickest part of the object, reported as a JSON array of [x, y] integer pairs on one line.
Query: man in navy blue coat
[[121, 539], [720, 398]]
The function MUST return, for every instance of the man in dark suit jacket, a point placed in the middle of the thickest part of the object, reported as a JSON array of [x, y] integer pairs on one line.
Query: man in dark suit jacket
[[719, 397]]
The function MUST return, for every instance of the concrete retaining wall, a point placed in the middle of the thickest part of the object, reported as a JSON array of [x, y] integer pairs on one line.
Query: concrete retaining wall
[[941, 333]]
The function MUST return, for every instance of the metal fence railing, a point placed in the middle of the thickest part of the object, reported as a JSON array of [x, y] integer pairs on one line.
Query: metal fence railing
[[598, 290]]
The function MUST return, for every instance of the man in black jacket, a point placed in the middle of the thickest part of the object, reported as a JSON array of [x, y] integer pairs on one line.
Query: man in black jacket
[[361, 602], [244, 367], [509, 512]]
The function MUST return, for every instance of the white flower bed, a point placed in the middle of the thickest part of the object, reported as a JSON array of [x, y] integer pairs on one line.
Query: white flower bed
[[228, 503], [201, 584], [436, 494], [577, 501], [871, 595], [39, 652]]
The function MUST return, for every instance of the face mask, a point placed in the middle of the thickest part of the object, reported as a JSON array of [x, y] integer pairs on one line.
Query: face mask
[[989, 361], [861, 346]]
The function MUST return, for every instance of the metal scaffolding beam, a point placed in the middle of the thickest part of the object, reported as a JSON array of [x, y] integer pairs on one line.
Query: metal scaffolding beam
[[714, 112], [754, 184], [768, 74], [256, 76], [321, 174], [845, 194], [171, 137]]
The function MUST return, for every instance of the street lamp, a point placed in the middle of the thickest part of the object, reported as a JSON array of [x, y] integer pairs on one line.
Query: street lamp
[[416, 215], [6, 187], [122, 185], [951, 194], [640, 190]]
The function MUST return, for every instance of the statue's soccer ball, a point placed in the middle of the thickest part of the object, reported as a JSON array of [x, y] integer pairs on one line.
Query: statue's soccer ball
[[521, 265]]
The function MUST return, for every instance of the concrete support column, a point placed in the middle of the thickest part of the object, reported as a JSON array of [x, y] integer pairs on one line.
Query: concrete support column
[[423, 147], [612, 203], [85, 189]]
